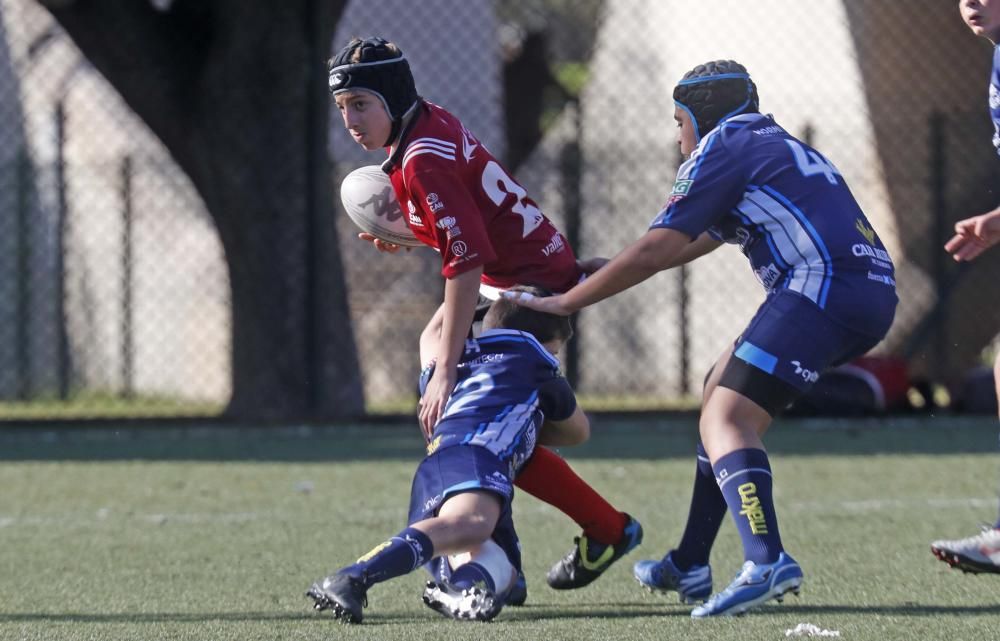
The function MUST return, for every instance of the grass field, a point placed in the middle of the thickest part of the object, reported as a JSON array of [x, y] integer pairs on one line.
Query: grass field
[[216, 533]]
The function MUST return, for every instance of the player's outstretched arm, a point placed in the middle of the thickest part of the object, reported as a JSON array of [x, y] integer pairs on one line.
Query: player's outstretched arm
[[703, 244], [571, 431], [655, 251], [974, 235], [430, 337], [460, 296]]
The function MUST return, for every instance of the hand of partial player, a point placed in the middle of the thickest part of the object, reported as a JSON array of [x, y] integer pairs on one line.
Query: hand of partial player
[[382, 245], [591, 265], [974, 235], [547, 304], [435, 397]]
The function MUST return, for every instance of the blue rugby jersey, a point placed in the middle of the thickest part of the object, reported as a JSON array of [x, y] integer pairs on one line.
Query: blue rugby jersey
[[995, 97], [749, 182], [507, 386]]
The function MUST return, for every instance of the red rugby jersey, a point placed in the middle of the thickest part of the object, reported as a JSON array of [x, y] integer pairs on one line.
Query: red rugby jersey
[[459, 200]]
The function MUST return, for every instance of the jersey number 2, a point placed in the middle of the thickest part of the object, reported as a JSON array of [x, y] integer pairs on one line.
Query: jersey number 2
[[499, 185], [812, 164], [468, 392]]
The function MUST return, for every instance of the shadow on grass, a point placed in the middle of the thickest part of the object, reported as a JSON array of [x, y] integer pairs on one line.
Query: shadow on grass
[[187, 617], [526, 614], [613, 437]]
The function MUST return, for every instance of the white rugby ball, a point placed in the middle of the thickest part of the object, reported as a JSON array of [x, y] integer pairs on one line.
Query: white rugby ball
[[371, 203]]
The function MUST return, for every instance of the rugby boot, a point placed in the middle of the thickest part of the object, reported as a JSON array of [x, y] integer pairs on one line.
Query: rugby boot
[[975, 554], [692, 585], [345, 595], [477, 603], [755, 584], [589, 559]]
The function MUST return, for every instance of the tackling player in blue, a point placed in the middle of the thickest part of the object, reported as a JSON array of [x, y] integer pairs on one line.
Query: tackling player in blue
[[509, 395], [980, 552], [831, 296]]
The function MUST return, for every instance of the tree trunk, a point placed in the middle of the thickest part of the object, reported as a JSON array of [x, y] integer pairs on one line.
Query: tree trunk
[[236, 91]]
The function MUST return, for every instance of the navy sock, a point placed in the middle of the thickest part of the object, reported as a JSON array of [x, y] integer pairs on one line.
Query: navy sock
[[744, 476], [705, 516], [470, 574], [400, 555]]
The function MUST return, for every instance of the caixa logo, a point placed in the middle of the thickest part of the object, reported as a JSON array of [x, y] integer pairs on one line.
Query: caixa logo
[[807, 374]]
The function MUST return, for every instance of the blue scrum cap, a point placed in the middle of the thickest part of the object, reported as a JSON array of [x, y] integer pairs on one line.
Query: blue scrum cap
[[714, 91]]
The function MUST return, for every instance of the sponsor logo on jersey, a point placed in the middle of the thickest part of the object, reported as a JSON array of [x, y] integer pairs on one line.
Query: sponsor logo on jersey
[[768, 275], [449, 225], [433, 445], [773, 130], [865, 230], [885, 279], [879, 257], [807, 375], [458, 248], [681, 187], [375, 550], [415, 220], [555, 245], [750, 507], [434, 202], [468, 145]]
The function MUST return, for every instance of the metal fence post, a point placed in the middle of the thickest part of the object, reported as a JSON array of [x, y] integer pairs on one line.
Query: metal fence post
[[127, 344], [23, 179], [939, 213], [571, 169], [62, 359]]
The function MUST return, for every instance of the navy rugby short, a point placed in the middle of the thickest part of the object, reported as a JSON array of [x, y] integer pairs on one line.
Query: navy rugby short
[[792, 340], [462, 468]]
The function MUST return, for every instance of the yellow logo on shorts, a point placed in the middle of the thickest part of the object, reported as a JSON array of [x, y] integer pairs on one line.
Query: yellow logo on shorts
[[378, 548], [752, 509], [433, 445]]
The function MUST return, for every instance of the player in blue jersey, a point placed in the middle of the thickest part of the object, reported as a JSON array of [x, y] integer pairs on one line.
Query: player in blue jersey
[[973, 236], [830, 297], [509, 395]]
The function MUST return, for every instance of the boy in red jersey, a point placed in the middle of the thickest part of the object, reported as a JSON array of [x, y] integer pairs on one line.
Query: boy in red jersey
[[460, 201]]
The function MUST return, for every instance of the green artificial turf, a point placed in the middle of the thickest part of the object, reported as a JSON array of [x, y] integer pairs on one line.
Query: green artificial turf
[[206, 533]]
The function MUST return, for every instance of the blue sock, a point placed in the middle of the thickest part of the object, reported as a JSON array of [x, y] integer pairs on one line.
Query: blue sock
[[744, 476], [400, 555], [470, 574], [705, 516]]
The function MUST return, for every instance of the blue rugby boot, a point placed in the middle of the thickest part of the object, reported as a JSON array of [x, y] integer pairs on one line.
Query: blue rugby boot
[[754, 585], [692, 585], [589, 559]]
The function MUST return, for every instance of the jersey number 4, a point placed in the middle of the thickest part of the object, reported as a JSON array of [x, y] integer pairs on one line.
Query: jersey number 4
[[499, 185], [810, 163]]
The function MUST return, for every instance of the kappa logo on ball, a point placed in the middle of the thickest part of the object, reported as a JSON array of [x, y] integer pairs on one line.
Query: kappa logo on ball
[[369, 200]]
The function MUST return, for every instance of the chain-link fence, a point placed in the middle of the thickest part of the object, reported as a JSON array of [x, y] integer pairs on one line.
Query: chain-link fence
[[115, 294]]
